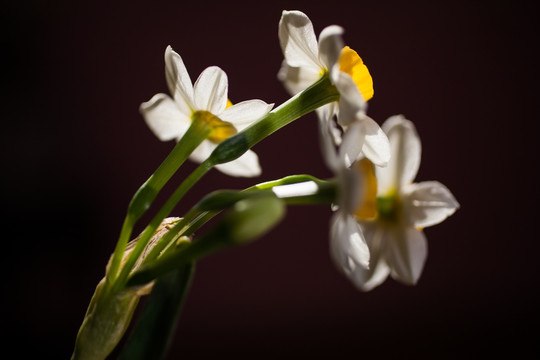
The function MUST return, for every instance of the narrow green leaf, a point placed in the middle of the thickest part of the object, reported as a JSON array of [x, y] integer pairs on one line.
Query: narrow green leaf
[[155, 328]]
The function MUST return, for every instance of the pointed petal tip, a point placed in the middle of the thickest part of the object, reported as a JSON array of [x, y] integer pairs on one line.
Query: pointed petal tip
[[169, 52]]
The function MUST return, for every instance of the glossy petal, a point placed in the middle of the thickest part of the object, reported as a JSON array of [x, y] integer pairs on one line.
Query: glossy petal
[[298, 40], [405, 155], [178, 81], [347, 244], [246, 165], [353, 143], [328, 148], [406, 253], [245, 113], [296, 79], [350, 100], [210, 90], [330, 45], [376, 146], [163, 117], [351, 193], [367, 279], [428, 203], [203, 151]]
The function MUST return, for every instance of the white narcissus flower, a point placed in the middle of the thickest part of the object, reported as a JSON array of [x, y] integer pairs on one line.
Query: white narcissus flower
[[169, 118], [395, 238], [356, 198], [307, 59]]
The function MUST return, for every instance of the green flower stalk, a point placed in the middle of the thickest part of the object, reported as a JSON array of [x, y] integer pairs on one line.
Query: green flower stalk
[[143, 198]]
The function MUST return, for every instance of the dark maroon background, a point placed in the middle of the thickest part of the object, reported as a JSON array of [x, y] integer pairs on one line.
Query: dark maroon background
[[75, 149]]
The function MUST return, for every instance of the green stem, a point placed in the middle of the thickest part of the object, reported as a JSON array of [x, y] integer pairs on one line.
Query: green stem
[[143, 198], [212, 204], [320, 93], [156, 221]]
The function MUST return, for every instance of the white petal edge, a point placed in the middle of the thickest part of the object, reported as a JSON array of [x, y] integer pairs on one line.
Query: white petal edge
[[296, 79], [367, 279], [163, 117], [210, 90], [352, 143], [351, 100], [405, 155], [428, 203], [178, 80], [406, 254], [297, 40], [328, 149], [351, 193], [347, 245], [330, 46], [245, 113], [203, 151], [246, 165], [376, 146]]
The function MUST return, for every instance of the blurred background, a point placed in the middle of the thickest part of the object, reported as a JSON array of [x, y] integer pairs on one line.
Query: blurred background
[[75, 149]]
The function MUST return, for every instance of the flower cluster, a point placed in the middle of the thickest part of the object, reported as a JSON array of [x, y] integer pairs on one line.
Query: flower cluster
[[379, 213], [376, 230]]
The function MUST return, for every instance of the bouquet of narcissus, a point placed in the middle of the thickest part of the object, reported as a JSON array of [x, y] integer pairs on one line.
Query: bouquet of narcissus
[[378, 211]]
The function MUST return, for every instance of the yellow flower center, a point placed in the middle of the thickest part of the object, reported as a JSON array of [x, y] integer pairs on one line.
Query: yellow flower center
[[368, 208], [221, 130], [350, 63]]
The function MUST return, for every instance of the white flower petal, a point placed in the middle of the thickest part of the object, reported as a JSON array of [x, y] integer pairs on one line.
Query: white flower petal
[[211, 90], [405, 155], [330, 45], [178, 81], [298, 40], [347, 244], [296, 79], [351, 100], [203, 151], [428, 203], [246, 112], [367, 279], [351, 194], [246, 165], [376, 146], [352, 144], [163, 117], [406, 253], [327, 145]]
